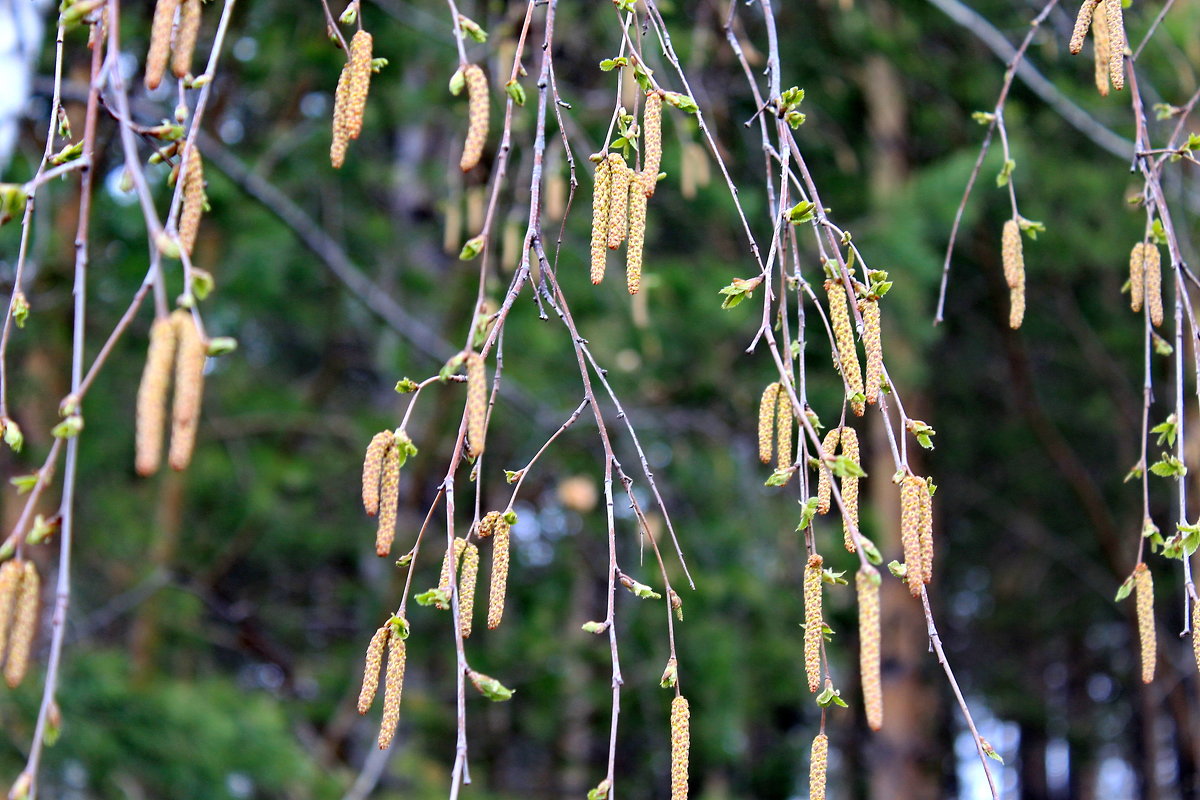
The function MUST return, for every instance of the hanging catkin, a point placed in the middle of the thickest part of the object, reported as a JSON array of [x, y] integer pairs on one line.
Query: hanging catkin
[[925, 501], [389, 496], [1116, 48], [160, 41], [189, 389], [476, 404], [1195, 626], [337, 148], [619, 176], [1143, 585], [193, 200], [186, 34], [637, 239], [783, 432], [477, 116], [1082, 20], [652, 129], [873, 344], [393, 687], [824, 477], [600, 195], [681, 740], [150, 420], [10, 588], [468, 577], [910, 532], [847, 354], [849, 487], [1011, 254], [1153, 270], [817, 768], [1137, 275], [373, 469], [866, 583], [499, 587], [1101, 52], [24, 626], [813, 621], [766, 422], [371, 668], [359, 67]]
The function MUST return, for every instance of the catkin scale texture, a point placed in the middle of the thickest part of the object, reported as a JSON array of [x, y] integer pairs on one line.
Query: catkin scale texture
[[637, 238], [160, 41], [150, 420], [1082, 20], [925, 503], [824, 477], [1101, 52], [619, 177], [371, 669], [10, 587], [186, 34], [1137, 276], [813, 621], [867, 588], [393, 687], [910, 532], [477, 116], [600, 195], [1143, 586], [1116, 48], [389, 497], [476, 404], [873, 344], [1196, 631], [1011, 254], [337, 148], [468, 577], [1153, 270], [499, 587], [681, 740], [359, 84], [24, 626], [849, 486], [818, 767], [783, 432], [652, 137], [847, 353], [373, 470], [189, 389], [193, 201], [766, 422]]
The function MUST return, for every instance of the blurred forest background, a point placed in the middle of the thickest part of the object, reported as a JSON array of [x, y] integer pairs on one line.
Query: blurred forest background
[[216, 635]]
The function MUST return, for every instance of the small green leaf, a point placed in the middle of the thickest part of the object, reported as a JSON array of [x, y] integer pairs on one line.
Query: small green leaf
[[20, 308], [24, 483], [513, 475], [670, 675], [989, 751], [472, 248], [1169, 467], [350, 15], [739, 290], [983, 117], [681, 101], [406, 385], [472, 29], [68, 428], [600, 792], [1125, 589], [458, 82], [1005, 173], [510, 517], [871, 551], [1161, 346], [595, 627], [897, 569], [802, 212], [808, 510], [779, 477], [221, 345], [1031, 228], [834, 578], [829, 697], [399, 626], [1134, 473], [640, 589], [434, 597], [516, 91], [1166, 431], [489, 687], [844, 467], [12, 435]]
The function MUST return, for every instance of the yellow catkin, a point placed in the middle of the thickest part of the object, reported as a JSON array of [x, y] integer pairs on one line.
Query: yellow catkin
[[925, 500], [637, 239], [359, 84], [866, 582], [150, 420], [371, 668], [1082, 20], [1116, 47], [373, 469], [824, 478], [783, 432], [499, 588], [1143, 586], [1195, 633], [873, 344], [766, 422], [600, 195], [681, 742], [652, 142], [910, 532], [193, 201], [24, 627], [1101, 52], [813, 621], [1016, 306], [10, 587], [389, 496], [186, 34], [477, 116], [393, 687], [468, 577], [476, 404], [189, 389], [619, 176], [818, 767], [487, 525], [450, 570], [160, 41], [849, 486], [847, 353], [337, 149], [1137, 276], [1153, 269], [1011, 254]]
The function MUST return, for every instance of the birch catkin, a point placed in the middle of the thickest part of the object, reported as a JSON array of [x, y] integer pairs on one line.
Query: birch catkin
[[150, 420], [783, 432], [824, 477], [393, 687], [389, 496], [359, 68], [476, 404], [450, 570], [681, 741], [189, 389], [866, 583], [1114, 18], [637, 238], [600, 196], [1143, 585], [477, 116], [818, 767], [160, 41], [849, 486], [371, 668], [468, 577], [373, 469], [847, 354], [1195, 631], [873, 344], [766, 422], [1153, 270], [1011, 254], [337, 148], [619, 176], [24, 626], [1082, 20], [813, 621], [1101, 52], [652, 138], [910, 532], [925, 501], [10, 587], [499, 573], [1137, 275], [186, 34], [193, 200]]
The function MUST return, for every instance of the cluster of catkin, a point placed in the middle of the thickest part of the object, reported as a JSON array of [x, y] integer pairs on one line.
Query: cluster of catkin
[[1108, 39], [847, 438], [20, 593], [1012, 256], [389, 638], [350, 99], [1145, 281], [681, 739], [1143, 593], [620, 198], [846, 356], [478, 113], [476, 404], [175, 341], [775, 423], [498, 526], [381, 486], [916, 531], [814, 621], [180, 47]]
